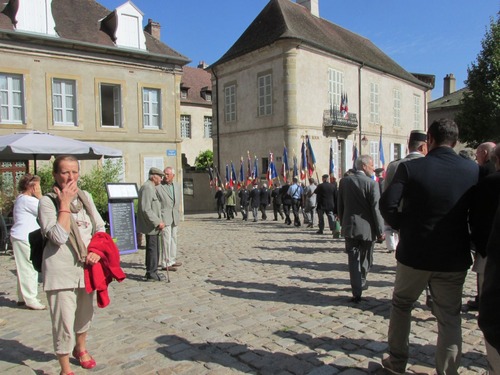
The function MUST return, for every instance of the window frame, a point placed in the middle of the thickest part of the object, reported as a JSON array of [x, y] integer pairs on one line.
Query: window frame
[[230, 102], [335, 88], [416, 112], [10, 105], [64, 108], [123, 94], [187, 129], [207, 123], [265, 94], [374, 103], [397, 100], [149, 114]]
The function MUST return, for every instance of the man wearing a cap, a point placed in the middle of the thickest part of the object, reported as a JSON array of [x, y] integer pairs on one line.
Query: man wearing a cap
[[149, 222], [417, 147], [326, 200]]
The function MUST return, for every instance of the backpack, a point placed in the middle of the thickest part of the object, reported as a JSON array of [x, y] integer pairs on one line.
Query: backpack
[[37, 244]]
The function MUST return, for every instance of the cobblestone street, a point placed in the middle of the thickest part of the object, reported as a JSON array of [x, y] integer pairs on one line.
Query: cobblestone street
[[255, 298]]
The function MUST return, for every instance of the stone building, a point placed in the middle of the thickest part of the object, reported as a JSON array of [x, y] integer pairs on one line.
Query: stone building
[[79, 70], [196, 111], [292, 74]]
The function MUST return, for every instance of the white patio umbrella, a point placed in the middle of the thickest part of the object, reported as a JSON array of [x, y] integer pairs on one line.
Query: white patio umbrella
[[35, 145]]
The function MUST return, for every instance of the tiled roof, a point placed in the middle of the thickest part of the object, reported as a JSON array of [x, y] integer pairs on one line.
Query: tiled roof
[[452, 100], [78, 20], [196, 79], [284, 19]]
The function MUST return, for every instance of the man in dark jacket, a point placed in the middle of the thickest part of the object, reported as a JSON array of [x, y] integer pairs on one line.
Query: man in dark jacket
[[434, 244], [361, 221], [255, 200], [326, 203], [287, 202], [244, 196], [489, 303], [221, 201], [277, 203], [265, 200]]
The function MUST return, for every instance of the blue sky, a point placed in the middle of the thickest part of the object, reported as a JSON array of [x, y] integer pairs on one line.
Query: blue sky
[[431, 37]]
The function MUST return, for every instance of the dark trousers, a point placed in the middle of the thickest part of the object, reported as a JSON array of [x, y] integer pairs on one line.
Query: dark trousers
[[263, 211], [230, 211], [295, 208], [286, 208], [152, 254], [220, 210], [277, 210], [321, 219], [360, 258], [244, 212]]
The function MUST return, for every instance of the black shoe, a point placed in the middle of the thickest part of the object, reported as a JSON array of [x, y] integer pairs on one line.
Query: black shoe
[[428, 301], [309, 225], [155, 277], [219, 216], [473, 305], [275, 219], [356, 299], [319, 232], [365, 286]]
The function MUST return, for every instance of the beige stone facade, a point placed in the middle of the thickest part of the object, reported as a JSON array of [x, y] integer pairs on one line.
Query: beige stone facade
[[133, 75], [301, 93]]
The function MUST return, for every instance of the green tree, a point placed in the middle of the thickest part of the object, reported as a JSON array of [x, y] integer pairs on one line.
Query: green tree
[[95, 183], [479, 118], [204, 160]]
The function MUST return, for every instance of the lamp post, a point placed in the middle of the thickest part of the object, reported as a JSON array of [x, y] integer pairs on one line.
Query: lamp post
[[364, 141]]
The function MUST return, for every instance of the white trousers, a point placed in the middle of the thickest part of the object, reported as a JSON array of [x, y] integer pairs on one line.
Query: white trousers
[[168, 252], [71, 312], [27, 276]]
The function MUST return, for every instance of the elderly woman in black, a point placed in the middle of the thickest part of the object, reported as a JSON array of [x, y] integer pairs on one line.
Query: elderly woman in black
[[69, 220]]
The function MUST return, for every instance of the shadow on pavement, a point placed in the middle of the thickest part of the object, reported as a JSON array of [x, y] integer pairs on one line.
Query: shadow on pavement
[[16, 353]]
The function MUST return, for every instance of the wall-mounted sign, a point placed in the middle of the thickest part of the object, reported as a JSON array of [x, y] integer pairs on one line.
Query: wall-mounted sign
[[171, 152]]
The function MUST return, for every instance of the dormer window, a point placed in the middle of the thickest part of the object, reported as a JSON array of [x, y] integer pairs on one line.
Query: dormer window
[[184, 93], [206, 94], [34, 16], [124, 26]]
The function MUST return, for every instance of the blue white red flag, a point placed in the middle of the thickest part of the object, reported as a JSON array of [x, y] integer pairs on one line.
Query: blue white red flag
[[242, 173], [255, 171], [331, 166], [344, 106], [249, 168], [381, 150], [295, 168], [303, 161], [228, 178], [284, 165], [311, 159], [271, 170], [233, 175]]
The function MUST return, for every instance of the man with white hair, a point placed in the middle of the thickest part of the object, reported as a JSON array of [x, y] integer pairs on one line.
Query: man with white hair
[[170, 196]]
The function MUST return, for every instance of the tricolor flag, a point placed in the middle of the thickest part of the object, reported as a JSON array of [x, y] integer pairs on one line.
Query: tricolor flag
[[211, 176], [344, 106], [284, 165], [303, 161], [249, 168], [271, 170], [331, 166], [233, 175], [242, 173], [255, 171], [295, 168], [228, 178], [311, 159], [381, 150]]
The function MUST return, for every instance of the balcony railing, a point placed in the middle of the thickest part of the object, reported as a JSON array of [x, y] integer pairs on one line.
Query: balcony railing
[[335, 122]]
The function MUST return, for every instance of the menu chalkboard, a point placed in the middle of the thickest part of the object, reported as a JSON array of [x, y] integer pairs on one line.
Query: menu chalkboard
[[122, 225]]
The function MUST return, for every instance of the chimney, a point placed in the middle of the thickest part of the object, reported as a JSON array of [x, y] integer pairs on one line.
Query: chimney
[[153, 28], [449, 84], [202, 65], [312, 5]]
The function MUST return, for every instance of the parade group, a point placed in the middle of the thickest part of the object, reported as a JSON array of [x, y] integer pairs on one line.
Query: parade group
[[436, 208]]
